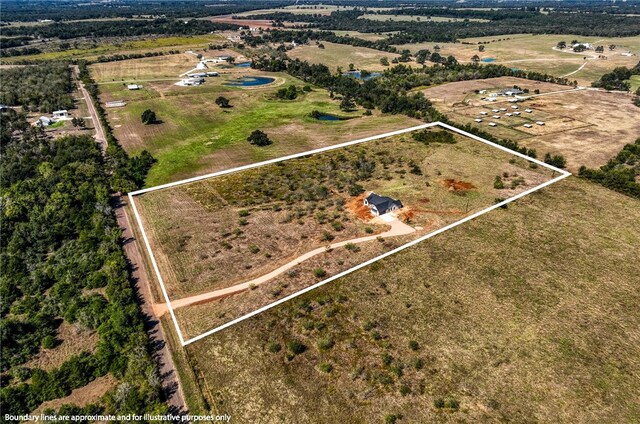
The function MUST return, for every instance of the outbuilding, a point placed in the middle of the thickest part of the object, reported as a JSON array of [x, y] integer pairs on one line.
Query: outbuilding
[[61, 113]]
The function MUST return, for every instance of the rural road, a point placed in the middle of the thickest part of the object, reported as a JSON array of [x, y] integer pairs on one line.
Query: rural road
[[160, 347], [398, 228], [100, 134]]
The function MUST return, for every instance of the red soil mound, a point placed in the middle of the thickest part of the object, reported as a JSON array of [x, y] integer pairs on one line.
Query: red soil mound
[[454, 185], [356, 207]]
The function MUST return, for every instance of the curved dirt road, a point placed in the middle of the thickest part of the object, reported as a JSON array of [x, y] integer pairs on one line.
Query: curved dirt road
[[398, 228]]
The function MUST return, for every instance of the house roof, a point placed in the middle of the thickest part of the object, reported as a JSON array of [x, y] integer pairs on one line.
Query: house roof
[[382, 203]]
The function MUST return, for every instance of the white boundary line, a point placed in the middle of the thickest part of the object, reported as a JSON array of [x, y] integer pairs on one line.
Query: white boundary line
[[563, 174]]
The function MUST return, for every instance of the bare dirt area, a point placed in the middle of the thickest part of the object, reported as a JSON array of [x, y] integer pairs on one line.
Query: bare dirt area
[[228, 231], [72, 340], [588, 127], [83, 396]]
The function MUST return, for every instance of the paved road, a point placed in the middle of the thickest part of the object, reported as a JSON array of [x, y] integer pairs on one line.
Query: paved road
[[166, 367], [398, 228]]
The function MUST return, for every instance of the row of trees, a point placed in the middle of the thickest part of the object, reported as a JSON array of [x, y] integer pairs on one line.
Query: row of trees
[[618, 79], [620, 173]]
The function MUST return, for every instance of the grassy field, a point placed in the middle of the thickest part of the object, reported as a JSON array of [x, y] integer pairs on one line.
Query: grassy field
[[587, 127], [526, 315], [145, 44], [232, 229], [341, 55], [635, 82], [196, 136], [535, 53]]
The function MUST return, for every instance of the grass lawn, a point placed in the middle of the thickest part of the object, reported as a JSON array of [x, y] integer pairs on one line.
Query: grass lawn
[[196, 136], [524, 314], [635, 82], [341, 55]]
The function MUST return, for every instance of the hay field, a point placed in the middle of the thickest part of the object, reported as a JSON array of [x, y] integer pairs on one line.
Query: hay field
[[231, 229], [535, 53], [341, 55], [525, 314], [587, 127]]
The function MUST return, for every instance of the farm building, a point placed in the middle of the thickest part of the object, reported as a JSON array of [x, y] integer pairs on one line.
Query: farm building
[[540, 122], [212, 74], [483, 113], [496, 116], [528, 125], [117, 103], [478, 120], [61, 113], [134, 87], [528, 110], [380, 205], [511, 92], [492, 124]]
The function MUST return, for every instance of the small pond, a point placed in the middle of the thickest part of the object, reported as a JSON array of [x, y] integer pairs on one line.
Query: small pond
[[358, 75], [326, 117], [488, 59], [243, 65], [250, 81]]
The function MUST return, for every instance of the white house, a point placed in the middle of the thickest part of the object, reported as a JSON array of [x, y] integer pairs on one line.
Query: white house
[[44, 121], [61, 114]]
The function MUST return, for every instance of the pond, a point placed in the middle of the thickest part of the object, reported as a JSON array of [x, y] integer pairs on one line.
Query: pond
[[250, 81], [358, 75], [326, 117], [243, 65], [489, 59]]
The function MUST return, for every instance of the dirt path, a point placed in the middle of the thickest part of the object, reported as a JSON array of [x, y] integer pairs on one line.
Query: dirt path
[[398, 228], [160, 347], [100, 135], [162, 355]]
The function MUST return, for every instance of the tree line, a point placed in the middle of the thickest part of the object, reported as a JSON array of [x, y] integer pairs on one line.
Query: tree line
[[61, 239], [618, 79]]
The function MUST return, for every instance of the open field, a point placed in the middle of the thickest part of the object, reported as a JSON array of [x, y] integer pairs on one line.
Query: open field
[[230, 231], [587, 127], [536, 53], [144, 44], [525, 314], [82, 396], [72, 340], [635, 82], [341, 55], [196, 136], [320, 9]]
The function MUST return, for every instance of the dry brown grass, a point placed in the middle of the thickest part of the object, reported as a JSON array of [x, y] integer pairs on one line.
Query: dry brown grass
[[587, 127], [525, 314], [73, 340], [201, 244], [83, 396]]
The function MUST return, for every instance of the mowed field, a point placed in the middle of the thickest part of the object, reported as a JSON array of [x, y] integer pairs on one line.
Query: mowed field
[[233, 229], [196, 136], [341, 55], [587, 127], [535, 53], [526, 314]]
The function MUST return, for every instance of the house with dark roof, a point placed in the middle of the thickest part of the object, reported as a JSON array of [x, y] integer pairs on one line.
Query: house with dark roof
[[380, 205]]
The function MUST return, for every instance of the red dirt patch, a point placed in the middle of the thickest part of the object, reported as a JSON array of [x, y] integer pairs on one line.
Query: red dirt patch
[[453, 185], [425, 200], [358, 208], [406, 214]]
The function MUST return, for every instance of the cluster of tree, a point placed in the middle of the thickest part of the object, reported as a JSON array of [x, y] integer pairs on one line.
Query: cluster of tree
[[259, 138], [26, 51], [501, 22], [123, 28], [620, 173], [288, 93], [37, 88], [618, 79], [67, 10], [428, 137], [60, 239], [119, 57]]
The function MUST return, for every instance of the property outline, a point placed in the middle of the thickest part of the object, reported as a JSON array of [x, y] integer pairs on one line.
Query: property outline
[[563, 174]]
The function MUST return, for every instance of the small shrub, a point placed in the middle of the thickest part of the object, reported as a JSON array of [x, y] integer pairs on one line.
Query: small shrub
[[254, 249], [243, 221], [438, 403], [405, 390], [452, 404], [319, 272], [48, 342], [243, 213], [368, 230], [387, 359], [376, 335], [226, 245], [296, 347], [327, 236], [392, 418], [497, 183], [418, 363], [293, 273], [274, 347], [337, 226], [325, 367], [351, 247], [369, 325], [413, 345]]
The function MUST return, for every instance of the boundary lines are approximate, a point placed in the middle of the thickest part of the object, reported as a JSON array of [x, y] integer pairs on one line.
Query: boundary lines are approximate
[[563, 174]]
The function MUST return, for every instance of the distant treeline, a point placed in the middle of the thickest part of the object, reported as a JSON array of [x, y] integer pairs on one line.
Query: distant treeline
[[37, 89], [118, 28], [507, 22], [119, 57], [620, 173]]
